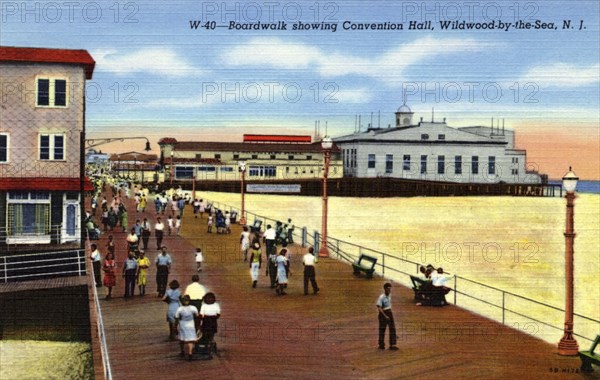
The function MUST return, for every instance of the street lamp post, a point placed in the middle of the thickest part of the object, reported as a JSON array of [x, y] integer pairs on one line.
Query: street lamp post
[[171, 170], [242, 166], [326, 145], [568, 345]]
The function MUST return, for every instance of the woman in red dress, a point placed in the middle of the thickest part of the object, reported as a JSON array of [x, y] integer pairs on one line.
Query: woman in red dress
[[109, 267]]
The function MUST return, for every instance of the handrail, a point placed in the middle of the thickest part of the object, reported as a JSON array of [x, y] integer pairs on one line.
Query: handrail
[[28, 262], [100, 321], [347, 257]]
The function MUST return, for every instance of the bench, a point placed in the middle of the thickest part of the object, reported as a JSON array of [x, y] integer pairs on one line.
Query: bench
[[362, 266], [427, 294], [589, 357], [255, 227]]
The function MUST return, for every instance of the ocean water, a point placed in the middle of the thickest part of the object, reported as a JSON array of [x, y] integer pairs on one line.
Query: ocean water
[[591, 187]]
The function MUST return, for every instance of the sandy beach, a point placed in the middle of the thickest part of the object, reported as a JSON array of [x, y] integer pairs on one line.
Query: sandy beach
[[515, 244]]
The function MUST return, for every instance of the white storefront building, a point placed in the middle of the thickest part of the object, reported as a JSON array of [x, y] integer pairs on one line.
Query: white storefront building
[[434, 151]]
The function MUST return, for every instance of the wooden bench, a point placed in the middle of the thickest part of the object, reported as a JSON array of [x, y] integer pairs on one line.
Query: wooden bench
[[361, 266], [589, 357], [427, 294]]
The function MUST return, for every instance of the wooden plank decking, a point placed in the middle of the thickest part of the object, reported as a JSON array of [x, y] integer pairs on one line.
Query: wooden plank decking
[[331, 335]]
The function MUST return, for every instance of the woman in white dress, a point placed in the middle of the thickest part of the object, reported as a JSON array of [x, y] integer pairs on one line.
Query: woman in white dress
[[184, 317], [245, 243]]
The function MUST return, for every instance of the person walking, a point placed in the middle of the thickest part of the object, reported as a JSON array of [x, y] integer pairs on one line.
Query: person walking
[[130, 274], [163, 266], [269, 238], [110, 278], [210, 312], [199, 259], [255, 263], [159, 229], [171, 297], [386, 318], [309, 260], [146, 232], [142, 274], [185, 318], [195, 291], [282, 273], [96, 264], [245, 243]]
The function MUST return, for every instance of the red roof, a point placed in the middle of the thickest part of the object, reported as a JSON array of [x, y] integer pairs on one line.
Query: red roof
[[195, 146], [23, 54], [278, 138], [167, 141], [45, 184]]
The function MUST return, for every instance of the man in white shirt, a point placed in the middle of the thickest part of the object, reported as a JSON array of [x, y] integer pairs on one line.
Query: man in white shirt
[[196, 292], [386, 318], [309, 260], [269, 237], [97, 264]]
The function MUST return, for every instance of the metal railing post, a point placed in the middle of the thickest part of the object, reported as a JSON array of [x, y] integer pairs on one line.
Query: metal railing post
[[503, 302], [455, 282]]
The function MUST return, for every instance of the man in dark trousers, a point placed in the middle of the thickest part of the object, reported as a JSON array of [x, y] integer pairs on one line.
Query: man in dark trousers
[[309, 260], [386, 318], [163, 265]]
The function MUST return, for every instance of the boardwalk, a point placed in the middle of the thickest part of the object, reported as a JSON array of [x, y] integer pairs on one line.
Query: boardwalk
[[330, 335]]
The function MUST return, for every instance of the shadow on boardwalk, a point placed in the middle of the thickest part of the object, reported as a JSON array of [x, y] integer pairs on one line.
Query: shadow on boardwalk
[[331, 335]]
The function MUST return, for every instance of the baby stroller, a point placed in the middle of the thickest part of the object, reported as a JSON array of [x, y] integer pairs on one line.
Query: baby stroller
[[203, 347]]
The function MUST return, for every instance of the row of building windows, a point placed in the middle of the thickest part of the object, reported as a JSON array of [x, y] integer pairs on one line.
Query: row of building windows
[[51, 147], [441, 164], [187, 172], [217, 156]]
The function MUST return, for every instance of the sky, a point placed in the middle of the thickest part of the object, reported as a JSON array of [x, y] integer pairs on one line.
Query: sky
[[159, 76]]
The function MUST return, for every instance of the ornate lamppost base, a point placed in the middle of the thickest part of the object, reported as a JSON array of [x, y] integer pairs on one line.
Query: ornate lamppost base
[[568, 346], [323, 252]]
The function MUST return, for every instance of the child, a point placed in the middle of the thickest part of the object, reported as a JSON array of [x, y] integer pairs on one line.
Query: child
[[170, 224], [210, 223], [177, 225], [199, 259]]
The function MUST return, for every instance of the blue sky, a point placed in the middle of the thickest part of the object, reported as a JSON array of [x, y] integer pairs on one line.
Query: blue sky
[[156, 76]]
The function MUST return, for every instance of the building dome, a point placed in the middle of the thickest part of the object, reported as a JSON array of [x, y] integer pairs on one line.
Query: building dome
[[404, 109]]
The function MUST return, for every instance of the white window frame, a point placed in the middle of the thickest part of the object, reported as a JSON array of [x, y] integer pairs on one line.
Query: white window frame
[[52, 147], [28, 238], [65, 237], [7, 147], [51, 92]]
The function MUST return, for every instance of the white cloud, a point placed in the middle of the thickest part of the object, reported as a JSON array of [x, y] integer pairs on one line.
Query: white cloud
[[156, 61], [562, 75], [271, 52], [275, 53], [358, 95]]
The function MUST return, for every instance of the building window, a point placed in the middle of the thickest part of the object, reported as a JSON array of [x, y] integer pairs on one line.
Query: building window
[[3, 147], [441, 164], [491, 165], [406, 162], [291, 157], [207, 169], [28, 218], [255, 156], [199, 156], [515, 171], [515, 160], [184, 172], [309, 157], [273, 157], [423, 163], [217, 156], [424, 136], [52, 147], [441, 137], [262, 171], [226, 169], [389, 163], [236, 156], [51, 92], [371, 162], [457, 164], [475, 165]]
